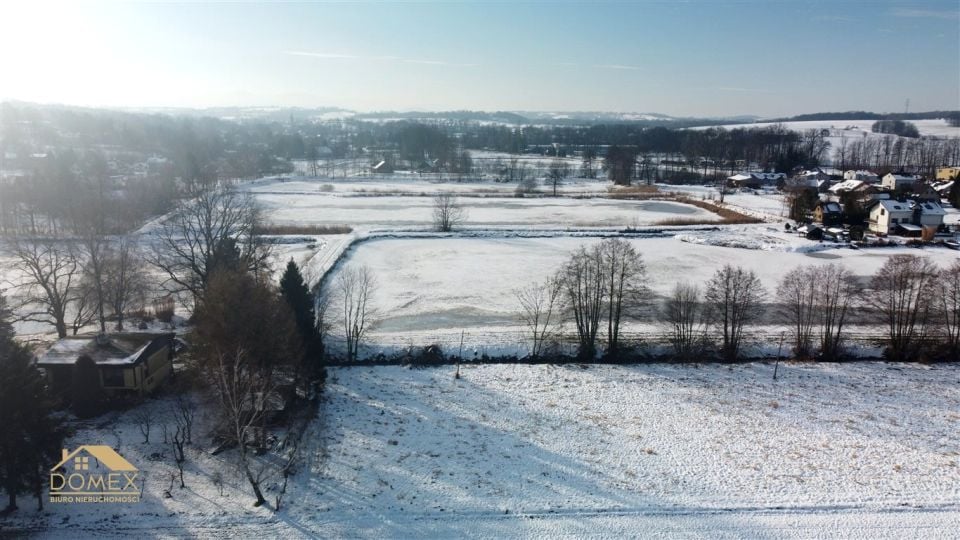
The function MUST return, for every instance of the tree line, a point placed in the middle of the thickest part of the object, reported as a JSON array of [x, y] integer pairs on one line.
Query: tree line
[[915, 303]]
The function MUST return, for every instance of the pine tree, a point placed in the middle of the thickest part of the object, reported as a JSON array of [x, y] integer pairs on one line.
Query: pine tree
[[31, 436], [297, 294]]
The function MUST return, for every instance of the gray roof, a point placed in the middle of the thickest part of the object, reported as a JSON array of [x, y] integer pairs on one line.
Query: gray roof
[[115, 350]]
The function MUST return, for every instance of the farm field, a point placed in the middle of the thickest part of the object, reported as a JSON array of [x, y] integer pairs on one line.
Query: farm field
[[302, 204], [429, 290], [546, 451], [854, 128]]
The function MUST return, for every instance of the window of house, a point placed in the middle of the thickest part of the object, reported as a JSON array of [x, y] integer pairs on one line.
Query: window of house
[[883, 211]]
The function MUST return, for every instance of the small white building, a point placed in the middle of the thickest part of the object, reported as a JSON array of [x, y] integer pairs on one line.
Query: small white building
[[887, 215], [846, 186], [898, 181], [869, 177]]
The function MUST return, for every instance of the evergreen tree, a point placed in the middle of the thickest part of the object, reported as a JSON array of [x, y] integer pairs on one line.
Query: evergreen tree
[[31, 436], [295, 291]]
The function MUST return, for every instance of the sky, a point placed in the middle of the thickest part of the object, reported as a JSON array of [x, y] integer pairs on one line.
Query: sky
[[697, 58]]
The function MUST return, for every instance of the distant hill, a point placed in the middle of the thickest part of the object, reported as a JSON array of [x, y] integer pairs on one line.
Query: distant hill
[[864, 115]]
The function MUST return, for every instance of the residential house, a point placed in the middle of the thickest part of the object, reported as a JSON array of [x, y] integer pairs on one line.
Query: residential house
[[829, 213], [756, 180], [869, 177], [948, 173], [896, 182], [124, 363], [887, 215], [910, 218]]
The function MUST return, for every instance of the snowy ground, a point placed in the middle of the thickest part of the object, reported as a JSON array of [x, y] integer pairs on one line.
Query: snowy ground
[[301, 202], [866, 450], [429, 290]]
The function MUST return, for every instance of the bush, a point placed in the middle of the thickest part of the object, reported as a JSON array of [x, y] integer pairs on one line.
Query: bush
[[163, 309]]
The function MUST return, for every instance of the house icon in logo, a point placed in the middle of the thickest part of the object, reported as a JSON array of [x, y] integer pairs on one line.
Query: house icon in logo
[[104, 454], [90, 473]]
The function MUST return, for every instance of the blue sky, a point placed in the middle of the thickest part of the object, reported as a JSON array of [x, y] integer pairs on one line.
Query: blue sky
[[682, 58]]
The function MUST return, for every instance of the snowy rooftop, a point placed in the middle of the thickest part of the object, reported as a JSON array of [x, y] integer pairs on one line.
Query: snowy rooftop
[[119, 349]]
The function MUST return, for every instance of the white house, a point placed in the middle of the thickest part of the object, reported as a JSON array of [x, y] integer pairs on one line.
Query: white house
[[898, 181], [864, 176], [887, 215], [755, 179]]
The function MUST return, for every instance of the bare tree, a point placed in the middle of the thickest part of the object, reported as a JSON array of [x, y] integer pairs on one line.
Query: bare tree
[[797, 293], [623, 276], [448, 213], [353, 289], [559, 170], [144, 419], [184, 414], [95, 251], [839, 292], [52, 275], [901, 296], [321, 311], [242, 389], [218, 228], [540, 306], [949, 306], [683, 312], [124, 279], [583, 287], [734, 296], [179, 457]]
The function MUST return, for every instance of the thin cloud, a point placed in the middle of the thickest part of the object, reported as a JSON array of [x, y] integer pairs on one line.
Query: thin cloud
[[339, 56], [618, 66], [741, 89], [926, 14]]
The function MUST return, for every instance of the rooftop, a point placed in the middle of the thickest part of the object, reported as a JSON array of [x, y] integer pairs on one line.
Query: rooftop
[[114, 350]]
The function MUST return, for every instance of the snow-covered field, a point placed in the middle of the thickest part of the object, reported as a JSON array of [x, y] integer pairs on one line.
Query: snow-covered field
[[431, 289], [300, 203], [866, 450]]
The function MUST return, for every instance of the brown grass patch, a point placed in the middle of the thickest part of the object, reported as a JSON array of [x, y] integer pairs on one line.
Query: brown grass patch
[[283, 230]]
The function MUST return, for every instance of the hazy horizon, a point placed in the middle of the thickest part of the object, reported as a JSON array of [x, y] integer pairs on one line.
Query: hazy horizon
[[696, 59]]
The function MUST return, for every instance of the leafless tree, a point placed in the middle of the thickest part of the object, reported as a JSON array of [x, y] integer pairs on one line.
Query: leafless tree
[[184, 414], [321, 313], [52, 276], [354, 287], [734, 296], [559, 170], [584, 290], [448, 213], [683, 312], [242, 389], [797, 294], [949, 306], [179, 438], [901, 296], [540, 306], [144, 419], [125, 279], [623, 278], [217, 227], [84, 306], [839, 293], [94, 246]]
